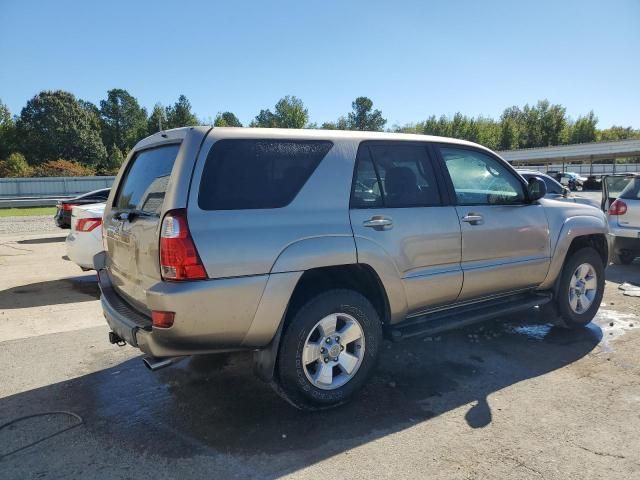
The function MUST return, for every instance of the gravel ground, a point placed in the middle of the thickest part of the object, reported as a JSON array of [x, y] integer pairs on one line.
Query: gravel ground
[[19, 225]]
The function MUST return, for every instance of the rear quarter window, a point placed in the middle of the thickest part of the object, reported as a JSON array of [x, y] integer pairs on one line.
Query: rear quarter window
[[144, 184], [257, 174]]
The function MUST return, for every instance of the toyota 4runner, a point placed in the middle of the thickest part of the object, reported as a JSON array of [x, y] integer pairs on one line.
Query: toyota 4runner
[[309, 247]]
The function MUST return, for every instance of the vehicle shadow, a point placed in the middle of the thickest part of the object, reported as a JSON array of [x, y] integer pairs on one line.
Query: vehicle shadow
[[624, 273], [37, 241], [52, 292], [213, 408]]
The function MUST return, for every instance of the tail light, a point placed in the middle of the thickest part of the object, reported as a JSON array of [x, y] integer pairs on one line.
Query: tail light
[[179, 259], [68, 206], [618, 207], [88, 224]]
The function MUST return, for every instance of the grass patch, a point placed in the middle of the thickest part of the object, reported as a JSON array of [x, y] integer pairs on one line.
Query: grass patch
[[27, 211]]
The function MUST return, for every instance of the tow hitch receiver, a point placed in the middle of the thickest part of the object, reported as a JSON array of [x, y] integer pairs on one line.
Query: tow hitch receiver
[[117, 340]]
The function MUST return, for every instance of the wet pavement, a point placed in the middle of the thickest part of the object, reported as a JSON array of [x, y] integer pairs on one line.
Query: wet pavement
[[502, 400]]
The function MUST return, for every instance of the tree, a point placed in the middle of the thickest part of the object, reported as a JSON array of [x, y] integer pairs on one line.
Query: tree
[[113, 163], [180, 114], [226, 119], [618, 133], [364, 117], [55, 125], [7, 131], [584, 130], [289, 113], [265, 119], [157, 120], [124, 122], [15, 166], [63, 168]]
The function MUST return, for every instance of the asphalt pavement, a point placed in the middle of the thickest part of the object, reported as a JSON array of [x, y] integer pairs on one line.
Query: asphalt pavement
[[514, 398]]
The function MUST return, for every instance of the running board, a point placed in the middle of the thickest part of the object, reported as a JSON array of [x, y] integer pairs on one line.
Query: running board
[[456, 317]]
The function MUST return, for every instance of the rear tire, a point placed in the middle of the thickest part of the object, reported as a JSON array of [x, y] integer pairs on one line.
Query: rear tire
[[580, 289], [316, 367]]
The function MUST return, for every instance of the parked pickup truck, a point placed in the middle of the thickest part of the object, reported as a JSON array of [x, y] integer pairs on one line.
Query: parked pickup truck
[[309, 247]]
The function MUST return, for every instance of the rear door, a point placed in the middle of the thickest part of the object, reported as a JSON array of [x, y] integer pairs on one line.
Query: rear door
[[505, 239], [397, 202], [131, 228]]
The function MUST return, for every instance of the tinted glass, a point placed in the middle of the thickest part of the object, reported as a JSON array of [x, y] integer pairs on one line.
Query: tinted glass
[[479, 179], [366, 192], [402, 177], [145, 182], [250, 174], [619, 185]]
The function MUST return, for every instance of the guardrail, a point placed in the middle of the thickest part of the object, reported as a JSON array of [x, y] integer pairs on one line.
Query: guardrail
[[585, 169], [51, 186]]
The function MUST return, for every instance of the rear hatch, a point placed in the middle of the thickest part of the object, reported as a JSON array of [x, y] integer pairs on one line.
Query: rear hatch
[[626, 188], [133, 219]]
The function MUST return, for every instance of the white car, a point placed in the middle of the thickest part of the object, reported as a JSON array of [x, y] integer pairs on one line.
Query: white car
[[621, 201], [85, 239]]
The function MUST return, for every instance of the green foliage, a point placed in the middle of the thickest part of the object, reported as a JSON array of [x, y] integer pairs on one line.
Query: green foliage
[[113, 163], [364, 117], [180, 114], [63, 168], [157, 120], [7, 131], [55, 125], [226, 119], [15, 166], [289, 113], [584, 130], [618, 133], [124, 122]]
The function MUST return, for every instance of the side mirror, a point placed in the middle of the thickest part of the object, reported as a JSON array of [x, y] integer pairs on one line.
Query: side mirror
[[565, 192], [536, 189]]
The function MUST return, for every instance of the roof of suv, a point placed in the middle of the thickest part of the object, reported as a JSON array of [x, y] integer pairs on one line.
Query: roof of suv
[[306, 133]]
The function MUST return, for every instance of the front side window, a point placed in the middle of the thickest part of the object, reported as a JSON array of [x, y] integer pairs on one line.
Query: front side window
[[257, 174], [479, 179], [396, 175], [145, 182]]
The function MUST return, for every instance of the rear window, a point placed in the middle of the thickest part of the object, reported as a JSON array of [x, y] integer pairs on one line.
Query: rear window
[[632, 190], [145, 181], [256, 174]]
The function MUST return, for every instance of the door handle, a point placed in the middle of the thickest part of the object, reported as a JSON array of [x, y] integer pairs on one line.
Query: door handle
[[472, 218], [378, 222]]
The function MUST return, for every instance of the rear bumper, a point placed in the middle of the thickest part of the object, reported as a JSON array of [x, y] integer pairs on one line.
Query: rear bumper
[[211, 316], [81, 247], [621, 243], [626, 232]]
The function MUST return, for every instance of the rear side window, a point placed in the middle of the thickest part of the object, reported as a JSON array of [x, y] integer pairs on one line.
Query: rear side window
[[394, 176], [145, 181], [257, 174]]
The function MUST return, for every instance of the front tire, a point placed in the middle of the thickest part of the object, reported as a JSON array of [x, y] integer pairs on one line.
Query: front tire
[[328, 350], [580, 289]]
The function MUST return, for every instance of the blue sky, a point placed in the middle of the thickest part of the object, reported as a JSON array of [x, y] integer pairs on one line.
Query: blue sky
[[413, 58]]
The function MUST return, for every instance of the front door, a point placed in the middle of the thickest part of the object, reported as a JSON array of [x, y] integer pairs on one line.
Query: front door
[[505, 239], [397, 204]]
